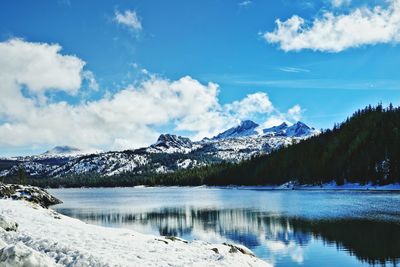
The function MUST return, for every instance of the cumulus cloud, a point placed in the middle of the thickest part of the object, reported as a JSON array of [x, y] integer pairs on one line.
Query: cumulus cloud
[[128, 18], [335, 33], [294, 114], [122, 120], [254, 103], [39, 66]]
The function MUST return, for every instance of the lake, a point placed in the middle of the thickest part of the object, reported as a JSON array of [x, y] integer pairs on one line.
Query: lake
[[285, 228]]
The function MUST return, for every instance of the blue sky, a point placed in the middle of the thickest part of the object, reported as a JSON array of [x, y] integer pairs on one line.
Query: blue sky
[[326, 74]]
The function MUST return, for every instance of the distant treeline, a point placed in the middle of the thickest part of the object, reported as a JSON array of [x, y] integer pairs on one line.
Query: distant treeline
[[365, 148]]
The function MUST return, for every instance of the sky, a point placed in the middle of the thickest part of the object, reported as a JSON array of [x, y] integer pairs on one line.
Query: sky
[[113, 75]]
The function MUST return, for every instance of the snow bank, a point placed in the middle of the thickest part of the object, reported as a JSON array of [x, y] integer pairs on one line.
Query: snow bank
[[350, 186], [292, 185], [21, 255], [46, 238]]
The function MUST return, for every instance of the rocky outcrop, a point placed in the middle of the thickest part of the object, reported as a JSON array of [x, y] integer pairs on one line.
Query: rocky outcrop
[[29, 193]]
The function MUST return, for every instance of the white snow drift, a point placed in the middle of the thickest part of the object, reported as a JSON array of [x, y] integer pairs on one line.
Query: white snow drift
[[46, 238]]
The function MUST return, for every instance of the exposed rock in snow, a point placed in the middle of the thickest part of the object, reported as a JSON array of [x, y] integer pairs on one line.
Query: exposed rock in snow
[[8, 224], [63, 241], [28, 193], [170, 143]]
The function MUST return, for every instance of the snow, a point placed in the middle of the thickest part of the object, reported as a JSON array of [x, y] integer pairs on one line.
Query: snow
[[245, 128], [292, 185], [21, 255], [234, 145], [46, 238], [351, 186], [8, 224]]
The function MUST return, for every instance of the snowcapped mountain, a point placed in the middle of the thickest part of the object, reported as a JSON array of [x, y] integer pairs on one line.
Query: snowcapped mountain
[[63, 151], [245, 128], [299, 129], [276, 130], [169, 153], [169, 143]]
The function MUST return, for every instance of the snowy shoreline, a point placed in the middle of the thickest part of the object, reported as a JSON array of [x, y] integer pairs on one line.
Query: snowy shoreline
[[286, 186], [36, 236], [323, 187]]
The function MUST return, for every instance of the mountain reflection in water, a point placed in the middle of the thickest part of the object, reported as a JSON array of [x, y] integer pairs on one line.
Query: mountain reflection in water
[[371, 241]]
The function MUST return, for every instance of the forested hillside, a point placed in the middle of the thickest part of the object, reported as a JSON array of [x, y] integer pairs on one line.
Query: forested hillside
[[365, 148]]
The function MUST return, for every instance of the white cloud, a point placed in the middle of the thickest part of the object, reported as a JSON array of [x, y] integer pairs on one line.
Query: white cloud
[[128, 18], [339, 3], [294, 114], [245, 3], [89, 76], [293, 70], [254, 103], [335, 33], [121, 120], [39, 66]]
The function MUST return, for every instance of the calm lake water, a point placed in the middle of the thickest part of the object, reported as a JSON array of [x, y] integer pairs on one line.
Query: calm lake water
[[286, 228]]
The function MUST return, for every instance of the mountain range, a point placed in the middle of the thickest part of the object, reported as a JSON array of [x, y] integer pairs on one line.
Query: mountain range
[[169, 153]]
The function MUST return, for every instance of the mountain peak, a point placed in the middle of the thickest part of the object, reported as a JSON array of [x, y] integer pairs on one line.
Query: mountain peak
[[63, 150], [276, 130], [168, 141], [245, 128], [248, 124], [300, 129]]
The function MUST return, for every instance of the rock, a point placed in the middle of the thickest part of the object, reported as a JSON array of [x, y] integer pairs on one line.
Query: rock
[[8, 224], [215, 250], [28, 193], [174, 238], [23, 256], [238, 248]]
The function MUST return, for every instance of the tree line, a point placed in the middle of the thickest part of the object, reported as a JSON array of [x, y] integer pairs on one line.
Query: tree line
[[364, 148]]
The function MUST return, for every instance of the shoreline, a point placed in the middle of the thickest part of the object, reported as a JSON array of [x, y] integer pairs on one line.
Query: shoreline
[[43, 237], [285, 187]]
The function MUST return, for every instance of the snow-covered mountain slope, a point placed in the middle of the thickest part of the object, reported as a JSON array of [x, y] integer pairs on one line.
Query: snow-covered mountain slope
[[62, 150], [299, 129], [169, 143], [245, 128], [276, 130], [168, 154]]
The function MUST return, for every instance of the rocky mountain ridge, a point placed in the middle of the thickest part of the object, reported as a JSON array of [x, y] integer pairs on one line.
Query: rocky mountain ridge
[[169, 153]]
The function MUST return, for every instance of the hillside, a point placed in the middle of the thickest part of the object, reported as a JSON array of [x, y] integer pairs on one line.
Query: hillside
[[168, 154], [363, 149]]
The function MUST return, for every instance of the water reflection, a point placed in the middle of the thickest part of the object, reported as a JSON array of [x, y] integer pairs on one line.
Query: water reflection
[[268, 234]]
